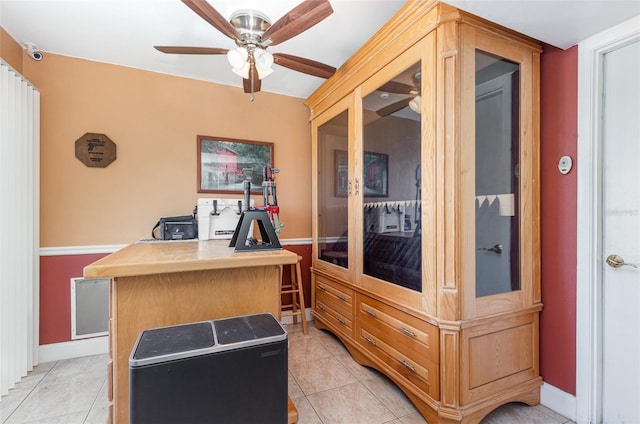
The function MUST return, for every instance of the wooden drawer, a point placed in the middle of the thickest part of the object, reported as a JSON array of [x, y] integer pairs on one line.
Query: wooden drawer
[[331, 316], [334, 295], [424, 374], [333, 303], [407, 334]]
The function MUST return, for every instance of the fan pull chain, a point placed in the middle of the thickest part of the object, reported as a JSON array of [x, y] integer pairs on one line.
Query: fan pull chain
[[251, 73]]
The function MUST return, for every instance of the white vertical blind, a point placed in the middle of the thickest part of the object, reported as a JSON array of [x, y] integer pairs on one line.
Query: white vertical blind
[[19, 226]]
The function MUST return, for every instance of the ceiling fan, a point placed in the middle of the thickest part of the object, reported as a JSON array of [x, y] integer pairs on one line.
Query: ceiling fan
[[253, 32], [414, 101]]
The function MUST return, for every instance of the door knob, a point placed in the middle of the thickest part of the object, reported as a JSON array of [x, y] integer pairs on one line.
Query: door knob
[[616, 261]]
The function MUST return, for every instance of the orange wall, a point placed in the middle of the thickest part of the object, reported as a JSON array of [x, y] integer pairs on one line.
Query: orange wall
[[10, 50], [154, 120]]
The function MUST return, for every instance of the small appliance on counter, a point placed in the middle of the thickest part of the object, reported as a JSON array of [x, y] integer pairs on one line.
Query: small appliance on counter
[[385, 218], [218, 218]]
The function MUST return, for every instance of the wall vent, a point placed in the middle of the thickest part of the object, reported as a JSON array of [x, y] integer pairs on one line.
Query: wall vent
[[89, 307]]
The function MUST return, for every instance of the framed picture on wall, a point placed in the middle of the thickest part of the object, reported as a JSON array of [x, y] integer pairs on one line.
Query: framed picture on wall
[[375, 175], [225, 163], [375, 178], [342, 173]]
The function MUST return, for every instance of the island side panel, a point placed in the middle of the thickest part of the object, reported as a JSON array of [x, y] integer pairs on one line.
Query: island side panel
[[142, 302]]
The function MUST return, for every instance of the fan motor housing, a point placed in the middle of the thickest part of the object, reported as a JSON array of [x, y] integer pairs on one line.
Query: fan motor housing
[[251, 24]]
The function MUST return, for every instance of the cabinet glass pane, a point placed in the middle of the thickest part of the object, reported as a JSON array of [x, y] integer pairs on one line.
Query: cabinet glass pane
[[333, 189], [497, 175], [390, 181]]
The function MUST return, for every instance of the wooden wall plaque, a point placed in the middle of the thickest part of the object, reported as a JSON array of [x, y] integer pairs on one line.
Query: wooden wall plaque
[[95, 150]]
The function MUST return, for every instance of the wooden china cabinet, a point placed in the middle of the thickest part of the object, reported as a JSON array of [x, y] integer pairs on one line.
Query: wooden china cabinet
[[426, 210]]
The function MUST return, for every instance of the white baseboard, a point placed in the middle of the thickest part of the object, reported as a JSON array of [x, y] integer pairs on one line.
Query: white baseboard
[[289, 319], [561, 402], [75, 349]]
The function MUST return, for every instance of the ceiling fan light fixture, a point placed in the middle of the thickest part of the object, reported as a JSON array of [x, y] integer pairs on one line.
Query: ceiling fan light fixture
[[238, 57], [416, 104], [262, 73], [242, 71], [263, 59]]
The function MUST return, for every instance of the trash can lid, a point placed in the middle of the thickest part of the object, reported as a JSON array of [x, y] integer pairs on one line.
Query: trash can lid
[[246, 328], [182, 341], [175, 339]]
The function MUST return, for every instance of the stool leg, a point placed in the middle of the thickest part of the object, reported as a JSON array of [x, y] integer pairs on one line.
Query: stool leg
[[301, 297], [294, 303]]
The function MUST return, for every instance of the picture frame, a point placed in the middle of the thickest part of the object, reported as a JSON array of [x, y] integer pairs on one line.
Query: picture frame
[[342, 173], [375, 178], [225, 163]]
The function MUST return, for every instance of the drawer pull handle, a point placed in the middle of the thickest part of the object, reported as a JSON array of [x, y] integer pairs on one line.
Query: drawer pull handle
[[370, 340], [341, 320], [321, 287], [369, 312], [407, 332], [341, 297], [321, 307], [407, 365]]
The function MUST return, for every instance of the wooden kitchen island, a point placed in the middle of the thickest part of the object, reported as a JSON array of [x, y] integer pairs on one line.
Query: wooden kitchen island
[[157, 284]]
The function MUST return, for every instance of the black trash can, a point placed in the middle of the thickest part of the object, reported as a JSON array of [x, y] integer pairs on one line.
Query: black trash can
[[226, 371]]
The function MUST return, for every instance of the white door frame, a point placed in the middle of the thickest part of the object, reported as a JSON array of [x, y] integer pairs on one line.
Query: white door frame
[[589, 218]]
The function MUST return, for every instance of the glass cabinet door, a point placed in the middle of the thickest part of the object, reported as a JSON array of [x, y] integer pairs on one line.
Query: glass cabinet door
[[497, 175], [390, 181], [333, 190]]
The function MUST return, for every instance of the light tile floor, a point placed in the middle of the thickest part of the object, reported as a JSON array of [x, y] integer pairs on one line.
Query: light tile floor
[[325, 383]]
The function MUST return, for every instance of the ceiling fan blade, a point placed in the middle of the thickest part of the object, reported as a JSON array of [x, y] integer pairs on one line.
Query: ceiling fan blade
[[213, 17], [398, 88], [190, 50], [307, 66], [246, 82], [394, 107], [299, 19]]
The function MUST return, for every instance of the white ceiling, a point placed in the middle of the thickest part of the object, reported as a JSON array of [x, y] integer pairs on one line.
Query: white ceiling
[[124, 32]]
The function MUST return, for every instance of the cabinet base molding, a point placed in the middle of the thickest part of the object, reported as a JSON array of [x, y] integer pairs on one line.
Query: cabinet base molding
[[527, 392]]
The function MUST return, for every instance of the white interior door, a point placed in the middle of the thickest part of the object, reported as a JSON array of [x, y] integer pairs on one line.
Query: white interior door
[[621, 234]]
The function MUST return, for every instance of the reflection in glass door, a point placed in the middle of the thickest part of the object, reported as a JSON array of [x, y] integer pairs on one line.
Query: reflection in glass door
[[333, 191], [390, 181], [497, 175]]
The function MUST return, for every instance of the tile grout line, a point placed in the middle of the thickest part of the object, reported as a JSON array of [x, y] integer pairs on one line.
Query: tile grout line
[[305, 395], [95, 399], [31, 391]]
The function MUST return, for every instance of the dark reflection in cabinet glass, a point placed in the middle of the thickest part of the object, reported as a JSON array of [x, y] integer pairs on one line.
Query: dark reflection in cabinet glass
[[333, 189], [497, 175], [391, 182]]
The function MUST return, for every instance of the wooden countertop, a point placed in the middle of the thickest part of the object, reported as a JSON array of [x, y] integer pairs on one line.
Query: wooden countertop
[[158, 257]]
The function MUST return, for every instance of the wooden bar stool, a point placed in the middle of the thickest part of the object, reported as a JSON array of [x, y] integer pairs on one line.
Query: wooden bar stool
[[296, 308]]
